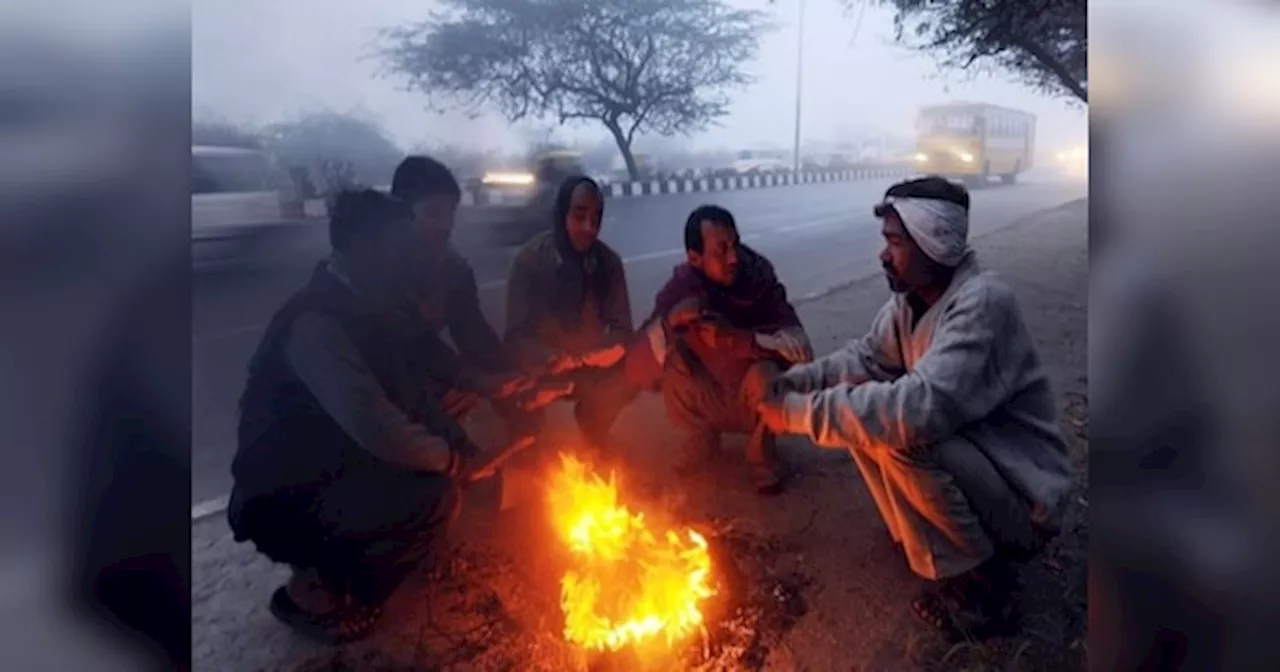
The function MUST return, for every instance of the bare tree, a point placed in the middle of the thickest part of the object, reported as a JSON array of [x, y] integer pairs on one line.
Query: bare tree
[[1044, 43], [339, 149], [224, 134], [635, 66]]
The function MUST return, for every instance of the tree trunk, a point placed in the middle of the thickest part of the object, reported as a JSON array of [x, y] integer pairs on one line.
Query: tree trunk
[[1057, 68], [624, 146]]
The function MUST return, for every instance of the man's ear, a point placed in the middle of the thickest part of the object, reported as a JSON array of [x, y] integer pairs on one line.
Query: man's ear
[[694, 257]]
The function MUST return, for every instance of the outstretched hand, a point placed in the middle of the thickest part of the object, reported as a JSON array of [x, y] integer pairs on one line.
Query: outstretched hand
[[771, 414], [510, 385], [685, 313], [544, 394], [600, 358], [792, 344]]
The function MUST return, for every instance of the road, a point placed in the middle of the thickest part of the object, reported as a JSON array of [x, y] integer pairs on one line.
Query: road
[[818, 236]]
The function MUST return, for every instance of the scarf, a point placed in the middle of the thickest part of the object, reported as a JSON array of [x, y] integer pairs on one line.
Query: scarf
[[940, 228]]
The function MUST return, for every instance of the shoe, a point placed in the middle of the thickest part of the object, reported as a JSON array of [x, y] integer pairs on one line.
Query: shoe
[[347, 624]]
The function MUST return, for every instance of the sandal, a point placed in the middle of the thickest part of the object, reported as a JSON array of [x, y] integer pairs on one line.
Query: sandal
[[934, 609], [347, 624], [962, 609]]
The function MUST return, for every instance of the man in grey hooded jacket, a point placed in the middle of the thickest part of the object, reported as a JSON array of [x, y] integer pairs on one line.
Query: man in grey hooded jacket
[[946, 410]]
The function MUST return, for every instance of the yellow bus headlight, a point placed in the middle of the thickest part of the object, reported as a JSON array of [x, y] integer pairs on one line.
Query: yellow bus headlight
[[966, 157]]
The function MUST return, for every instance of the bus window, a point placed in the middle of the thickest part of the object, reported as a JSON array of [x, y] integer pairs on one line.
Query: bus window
[[952, 124]]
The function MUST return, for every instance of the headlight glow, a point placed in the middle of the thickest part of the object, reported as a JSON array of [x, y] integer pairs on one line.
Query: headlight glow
[[521, 179]]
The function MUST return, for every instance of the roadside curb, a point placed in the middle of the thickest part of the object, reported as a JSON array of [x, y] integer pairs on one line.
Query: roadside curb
[[477, 198], [212, 507]]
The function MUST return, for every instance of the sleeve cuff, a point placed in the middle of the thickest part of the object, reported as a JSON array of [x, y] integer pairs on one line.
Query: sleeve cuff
[[657, 336], [796, 411]]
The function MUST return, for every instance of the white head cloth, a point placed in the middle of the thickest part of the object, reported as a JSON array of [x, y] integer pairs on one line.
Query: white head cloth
[[940, 228]]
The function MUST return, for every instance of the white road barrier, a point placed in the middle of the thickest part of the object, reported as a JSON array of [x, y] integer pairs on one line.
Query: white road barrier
[[316, 207]]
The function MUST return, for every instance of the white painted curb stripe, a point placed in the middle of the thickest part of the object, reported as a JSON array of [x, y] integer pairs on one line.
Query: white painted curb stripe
[[317, 207]]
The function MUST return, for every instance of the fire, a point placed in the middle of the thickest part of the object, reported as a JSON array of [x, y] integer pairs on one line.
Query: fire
[[628, 584]]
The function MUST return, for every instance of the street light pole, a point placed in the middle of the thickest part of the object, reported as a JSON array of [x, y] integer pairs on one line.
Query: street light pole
[[799, 82]]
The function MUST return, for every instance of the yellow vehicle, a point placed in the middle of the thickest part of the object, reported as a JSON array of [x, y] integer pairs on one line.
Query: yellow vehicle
[[974, 141]]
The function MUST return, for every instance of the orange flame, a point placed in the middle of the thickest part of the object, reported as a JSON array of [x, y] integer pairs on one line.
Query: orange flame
[[628, 584]]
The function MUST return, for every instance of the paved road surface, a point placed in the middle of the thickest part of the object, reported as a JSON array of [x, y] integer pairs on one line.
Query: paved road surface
[[818, 237]]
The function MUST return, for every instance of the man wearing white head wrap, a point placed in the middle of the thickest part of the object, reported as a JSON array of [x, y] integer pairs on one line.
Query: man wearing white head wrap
[[940, 228], [946, 410]]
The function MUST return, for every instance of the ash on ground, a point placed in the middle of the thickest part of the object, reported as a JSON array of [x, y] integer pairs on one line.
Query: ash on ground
[[489, 608]]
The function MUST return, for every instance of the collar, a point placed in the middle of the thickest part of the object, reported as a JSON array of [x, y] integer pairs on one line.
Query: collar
[[338, 267], [967, 268]]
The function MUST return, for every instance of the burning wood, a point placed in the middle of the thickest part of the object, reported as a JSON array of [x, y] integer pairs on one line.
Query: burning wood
[[630, 583]]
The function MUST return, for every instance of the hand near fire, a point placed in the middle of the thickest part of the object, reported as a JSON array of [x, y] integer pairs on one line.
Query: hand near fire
[[505, 386], [770, 408], [601, 358], [792, 344], [772, 415], [544, 394], [685, 313], [459, 403]]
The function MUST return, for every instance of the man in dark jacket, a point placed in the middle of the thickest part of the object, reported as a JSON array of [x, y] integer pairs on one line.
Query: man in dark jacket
[[568, 312], [446, 294], [720, 331], [347, 457]]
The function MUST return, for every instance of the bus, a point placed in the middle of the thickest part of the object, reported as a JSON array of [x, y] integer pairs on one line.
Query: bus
[[974, 141]]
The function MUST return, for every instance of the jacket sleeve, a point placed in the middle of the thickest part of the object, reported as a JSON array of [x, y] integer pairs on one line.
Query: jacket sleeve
[[329, 364], [874, 356], [523, 309], [616, 308], [647, 350], [474, 337], [784, 313], [960, 379]]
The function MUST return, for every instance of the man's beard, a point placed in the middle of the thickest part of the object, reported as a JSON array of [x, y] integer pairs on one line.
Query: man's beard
[[896, 285]]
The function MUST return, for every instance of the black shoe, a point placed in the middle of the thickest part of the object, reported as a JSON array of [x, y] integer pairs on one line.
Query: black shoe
[[347, 624]]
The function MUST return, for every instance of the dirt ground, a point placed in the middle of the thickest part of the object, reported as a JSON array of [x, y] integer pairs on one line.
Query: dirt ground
[[807, 581]]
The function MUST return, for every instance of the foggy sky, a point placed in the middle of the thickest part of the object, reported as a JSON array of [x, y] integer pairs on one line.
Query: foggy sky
[[259, 61]]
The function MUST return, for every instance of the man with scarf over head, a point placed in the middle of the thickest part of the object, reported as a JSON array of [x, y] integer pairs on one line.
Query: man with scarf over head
[[720, 331], [568, 313], [348, 458], [946, 410]]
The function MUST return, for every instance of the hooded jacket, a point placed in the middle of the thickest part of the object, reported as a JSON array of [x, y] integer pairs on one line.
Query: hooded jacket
[[563, 301]]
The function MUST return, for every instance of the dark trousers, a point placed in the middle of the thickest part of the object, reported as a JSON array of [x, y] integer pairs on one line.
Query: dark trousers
[[599, 396], [704, 408], [363, 532]]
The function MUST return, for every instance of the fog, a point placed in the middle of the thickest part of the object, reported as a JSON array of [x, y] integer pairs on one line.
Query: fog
[[259, 61]]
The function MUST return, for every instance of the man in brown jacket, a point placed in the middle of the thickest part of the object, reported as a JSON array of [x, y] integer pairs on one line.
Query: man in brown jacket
[[568, 313]]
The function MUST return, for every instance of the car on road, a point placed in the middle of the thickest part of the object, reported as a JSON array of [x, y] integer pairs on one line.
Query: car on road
[[238, 198], [518, 204], [761, 162]]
